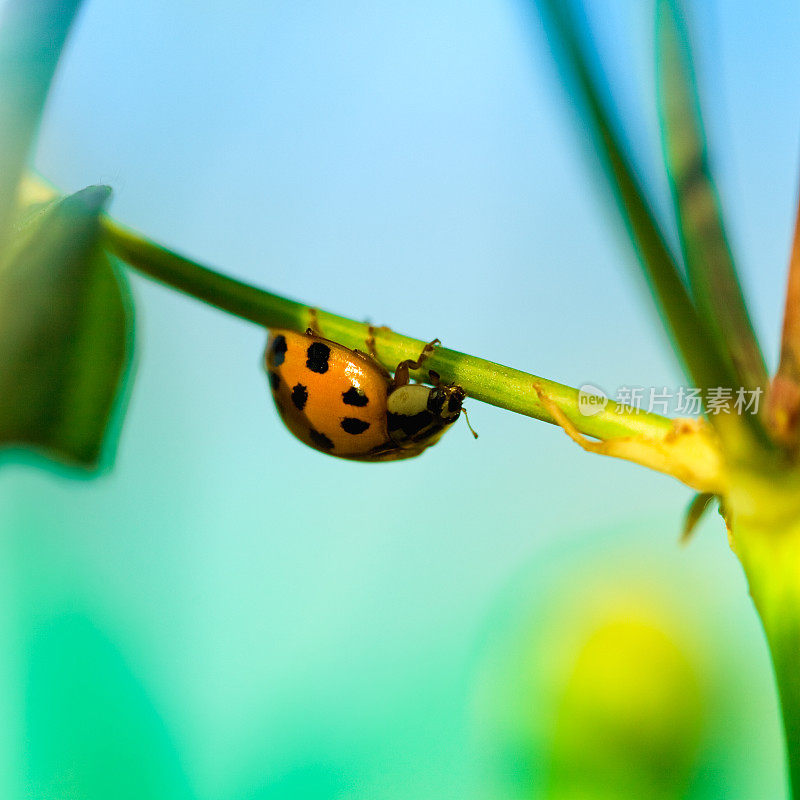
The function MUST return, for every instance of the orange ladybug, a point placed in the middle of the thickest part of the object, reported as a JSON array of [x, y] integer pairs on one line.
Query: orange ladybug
[[344, 403]]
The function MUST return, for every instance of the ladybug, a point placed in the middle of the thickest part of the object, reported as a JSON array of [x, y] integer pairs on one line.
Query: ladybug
[[344, 403]]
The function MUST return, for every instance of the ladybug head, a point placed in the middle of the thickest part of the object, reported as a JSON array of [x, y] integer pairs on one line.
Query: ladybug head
[[418, 415], [445, 402]]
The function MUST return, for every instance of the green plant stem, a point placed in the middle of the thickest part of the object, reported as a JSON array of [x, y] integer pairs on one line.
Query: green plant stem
[[482, 380], [767, 541], [784, 643]]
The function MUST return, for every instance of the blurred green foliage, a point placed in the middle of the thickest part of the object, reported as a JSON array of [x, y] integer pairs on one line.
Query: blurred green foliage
[[630, 717], [92, 733], [710, 268], [629, 710], [66, 325], [66, 332]]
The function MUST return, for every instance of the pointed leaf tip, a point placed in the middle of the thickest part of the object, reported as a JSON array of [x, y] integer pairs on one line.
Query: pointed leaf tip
[[694, 513], [710, 266], [91, 200]]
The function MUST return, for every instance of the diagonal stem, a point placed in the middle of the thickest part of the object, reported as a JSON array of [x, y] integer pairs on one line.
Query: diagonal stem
[[483, 380], [689, 453]]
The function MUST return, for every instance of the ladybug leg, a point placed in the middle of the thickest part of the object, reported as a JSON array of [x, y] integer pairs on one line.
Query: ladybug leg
[[313, 323], [370, 341], [372, 354], [401, 376]]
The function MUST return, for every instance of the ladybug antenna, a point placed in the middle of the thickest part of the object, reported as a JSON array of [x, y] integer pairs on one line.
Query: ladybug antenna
[[466, 417]]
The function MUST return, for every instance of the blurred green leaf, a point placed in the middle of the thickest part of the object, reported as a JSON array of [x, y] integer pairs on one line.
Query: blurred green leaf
[[92, 731], [65, 333], [630, 720], [32, 36], [709, 262], [687, 328]]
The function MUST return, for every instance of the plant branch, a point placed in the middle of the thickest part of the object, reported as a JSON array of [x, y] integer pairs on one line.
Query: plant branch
[[482, 380], [688, 452], [654, 441]]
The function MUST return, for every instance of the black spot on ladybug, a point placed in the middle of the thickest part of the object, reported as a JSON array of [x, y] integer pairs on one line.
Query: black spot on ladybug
[[299, 396], [354, 397], [274, 381], [318, 354], [320, 440], [279, 350], [354, 426]]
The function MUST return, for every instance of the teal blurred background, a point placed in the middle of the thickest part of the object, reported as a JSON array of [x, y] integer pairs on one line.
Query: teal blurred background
[[229, 614]]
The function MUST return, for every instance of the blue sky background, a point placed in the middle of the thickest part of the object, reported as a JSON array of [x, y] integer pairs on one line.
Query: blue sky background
[[311, 627]]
